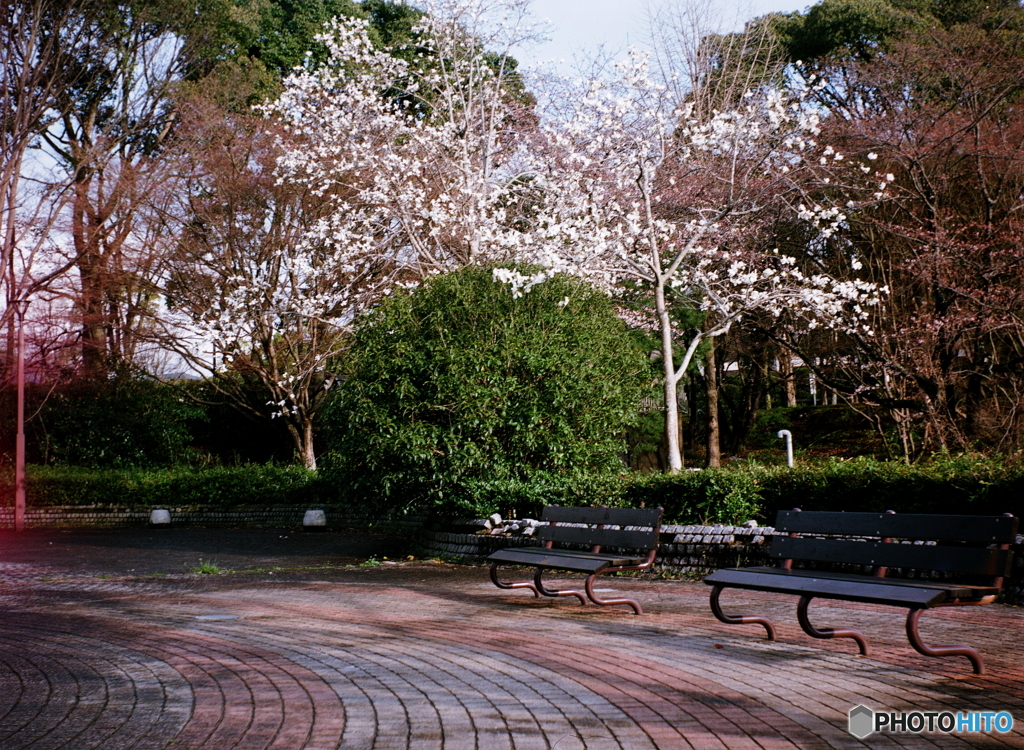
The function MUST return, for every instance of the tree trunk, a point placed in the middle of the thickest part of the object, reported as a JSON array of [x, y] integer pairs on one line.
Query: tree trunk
[[11, 344], [94, 330], [302, 437], [714, 452], [672, 431], [788, 379], [671, 377], [85, 231], [308, 455]]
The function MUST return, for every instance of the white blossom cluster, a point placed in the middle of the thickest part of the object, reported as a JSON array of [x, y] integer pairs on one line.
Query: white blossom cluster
[[424, 170], [613, 168], [438, 178]]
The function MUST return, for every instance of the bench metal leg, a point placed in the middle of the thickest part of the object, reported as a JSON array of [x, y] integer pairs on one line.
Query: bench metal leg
[[589, 586], [555, 592], [511, 585], [805, 623], [716, 610], [922, 648]]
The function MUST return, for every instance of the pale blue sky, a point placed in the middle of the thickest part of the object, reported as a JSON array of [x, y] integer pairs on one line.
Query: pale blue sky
[[583, 26]]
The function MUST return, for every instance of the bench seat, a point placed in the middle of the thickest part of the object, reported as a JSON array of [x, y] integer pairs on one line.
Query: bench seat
[[571, 560], [847, 587], [972, 554], [631, 534]]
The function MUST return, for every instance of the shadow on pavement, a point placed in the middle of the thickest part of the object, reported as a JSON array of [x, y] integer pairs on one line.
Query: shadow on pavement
[[165, 551]]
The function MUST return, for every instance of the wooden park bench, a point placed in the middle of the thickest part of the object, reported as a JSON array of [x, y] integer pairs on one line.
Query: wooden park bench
[[616, 539], [942, 561]]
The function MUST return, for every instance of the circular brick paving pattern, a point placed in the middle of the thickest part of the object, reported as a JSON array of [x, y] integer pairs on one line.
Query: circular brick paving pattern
[[433, 656]]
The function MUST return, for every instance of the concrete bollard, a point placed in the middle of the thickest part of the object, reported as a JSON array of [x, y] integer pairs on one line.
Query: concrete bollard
[[160, 517], [314, 520]]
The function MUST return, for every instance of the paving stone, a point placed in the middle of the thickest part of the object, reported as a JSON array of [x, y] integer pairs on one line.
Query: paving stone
[[432, 656]]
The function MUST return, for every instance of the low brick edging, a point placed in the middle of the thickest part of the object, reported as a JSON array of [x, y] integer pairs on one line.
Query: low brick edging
[[470, 548], [685, 550], [112, 517]]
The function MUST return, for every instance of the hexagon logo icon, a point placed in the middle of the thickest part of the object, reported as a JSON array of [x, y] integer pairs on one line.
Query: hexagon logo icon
[[862, 721]]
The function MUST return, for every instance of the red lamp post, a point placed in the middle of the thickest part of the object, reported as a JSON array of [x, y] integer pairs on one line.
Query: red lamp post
[[21, 307]]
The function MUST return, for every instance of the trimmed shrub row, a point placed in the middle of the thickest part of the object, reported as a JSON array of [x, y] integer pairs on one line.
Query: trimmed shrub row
[[691, 497], [964, 485], [217, 487], [733, 495], [958, 485]]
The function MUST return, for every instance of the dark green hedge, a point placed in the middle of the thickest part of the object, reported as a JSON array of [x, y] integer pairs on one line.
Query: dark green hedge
[[217, 487], [961, 485], [691, 497], [965, 485], [131, 422], [733, 495]]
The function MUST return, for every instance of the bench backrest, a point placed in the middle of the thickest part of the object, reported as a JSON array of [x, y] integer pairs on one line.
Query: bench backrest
[[643, 534], [989, 529], [994, 559]]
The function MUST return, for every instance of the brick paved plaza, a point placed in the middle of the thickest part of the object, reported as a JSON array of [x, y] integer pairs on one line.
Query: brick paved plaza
[[106, 641]]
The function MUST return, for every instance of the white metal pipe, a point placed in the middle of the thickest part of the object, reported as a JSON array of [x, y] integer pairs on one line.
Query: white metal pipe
[[789, 446]]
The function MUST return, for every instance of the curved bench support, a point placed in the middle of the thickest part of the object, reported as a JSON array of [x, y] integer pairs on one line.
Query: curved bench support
[[554, 592], [716, 610], [825, 633], [509, 584], [589, 586], [922, 648]]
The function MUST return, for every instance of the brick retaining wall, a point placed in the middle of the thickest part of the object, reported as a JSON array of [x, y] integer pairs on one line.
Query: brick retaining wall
[[107, 517]]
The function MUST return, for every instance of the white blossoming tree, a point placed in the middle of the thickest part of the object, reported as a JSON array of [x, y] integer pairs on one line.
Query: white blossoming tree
[[384, 171], [422, 158], [253, 305], [638, 189]]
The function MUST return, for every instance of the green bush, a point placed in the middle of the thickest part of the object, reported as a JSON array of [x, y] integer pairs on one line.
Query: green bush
[[459, 387], [132, 421], [224, 435], [127, 421], [217, 487], [960, 485], [967, 486], [707, 496], [523, 498], [691, 497]]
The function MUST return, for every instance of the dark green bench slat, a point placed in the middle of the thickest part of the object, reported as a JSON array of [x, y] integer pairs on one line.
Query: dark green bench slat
[[998, 530], [533, 552], [629, 542], [841, 545], [954, 590], [605, 537], [562, 560], [551, 560], [872, 591], [919, 556], [605, 516]]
